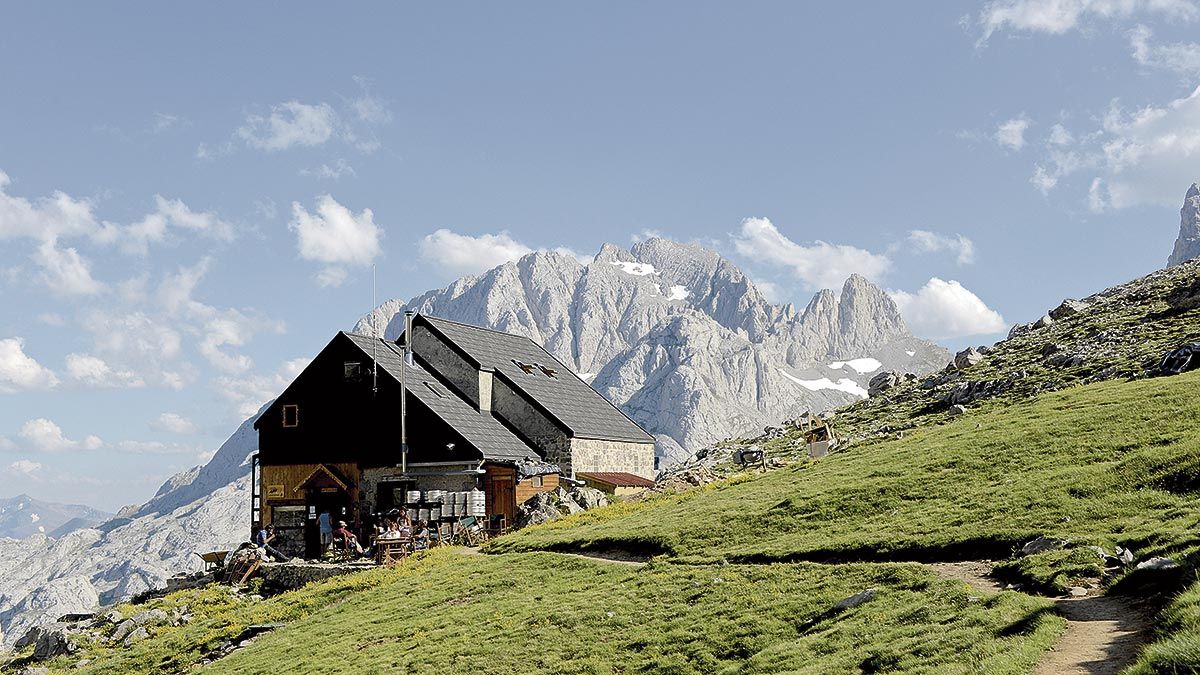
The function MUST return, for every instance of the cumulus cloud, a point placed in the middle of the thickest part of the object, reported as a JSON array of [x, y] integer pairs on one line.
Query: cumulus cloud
[[173, 423], [1180, 57], [1060, 16], [335, 236], [819, 265], [21, 372], [945, 309], [1011, 134], [25, 468], [459, 254], [58, 215], [1145, 156], [289, 124], [44, 435], [153, 228], [95, 372], [248, 394], [64, 271], [925, 241]]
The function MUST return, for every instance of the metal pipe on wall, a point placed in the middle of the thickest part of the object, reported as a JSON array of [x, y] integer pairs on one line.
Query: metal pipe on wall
[[408, 319]]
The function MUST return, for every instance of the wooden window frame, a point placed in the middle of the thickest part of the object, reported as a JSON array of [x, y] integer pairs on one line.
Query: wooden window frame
[[295, 410]]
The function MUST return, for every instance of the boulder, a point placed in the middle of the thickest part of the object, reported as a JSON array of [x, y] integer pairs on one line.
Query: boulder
[[1066, 360], [49, 641], [1185, 297], [1124, 555], [136, 636], [956, 410], [124, 629], [1044, 322], [856, 599], [1018, 329], [1157, 564], [589, 498], [882, 382], [967, 358], [1041, 545], [150, 617], [1068, 308]]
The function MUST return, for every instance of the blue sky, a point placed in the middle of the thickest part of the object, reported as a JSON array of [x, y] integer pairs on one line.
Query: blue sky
[[192, 197]]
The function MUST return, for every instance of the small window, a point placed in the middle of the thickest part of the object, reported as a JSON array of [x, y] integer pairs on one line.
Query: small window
[[528, 368], [291, 416], [354, 371], [536, 481]]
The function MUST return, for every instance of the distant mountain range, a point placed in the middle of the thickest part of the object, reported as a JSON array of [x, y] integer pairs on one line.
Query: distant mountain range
[[681, 339], [22, 516]]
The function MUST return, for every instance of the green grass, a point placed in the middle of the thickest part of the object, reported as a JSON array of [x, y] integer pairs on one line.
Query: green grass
[[1111, 463], [555, 614], [1115, 463]]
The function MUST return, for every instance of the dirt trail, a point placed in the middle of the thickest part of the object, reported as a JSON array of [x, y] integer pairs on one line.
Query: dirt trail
[[1104, 633]]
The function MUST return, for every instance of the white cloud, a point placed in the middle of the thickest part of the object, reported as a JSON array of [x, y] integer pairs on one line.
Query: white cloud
[[48, 218], [1059, 136], [173, 423], [1180, 57], [925, 241], [25, 468], [44, 435], [248, 394], [289, 124], [52, 319], [1060, 16], [945, 309], [94, 371], [326, 172], [19, 371], [136, 238], [1148, 156], [335, 236], [1011, 134], [458, 254], [820, 265], [64, 271]]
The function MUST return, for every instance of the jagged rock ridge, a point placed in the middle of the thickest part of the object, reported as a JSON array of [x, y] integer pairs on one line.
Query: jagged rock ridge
[[681, 339], [1187, 245]]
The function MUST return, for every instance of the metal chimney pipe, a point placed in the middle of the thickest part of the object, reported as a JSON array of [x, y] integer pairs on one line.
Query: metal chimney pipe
[[408, 319]]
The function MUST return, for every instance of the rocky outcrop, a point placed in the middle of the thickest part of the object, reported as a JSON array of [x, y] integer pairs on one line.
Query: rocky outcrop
[[681, 339], [1187, 245], [546, 506]]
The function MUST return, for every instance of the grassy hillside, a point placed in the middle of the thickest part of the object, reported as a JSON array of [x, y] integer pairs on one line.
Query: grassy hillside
[[746, 574], [449, 612]]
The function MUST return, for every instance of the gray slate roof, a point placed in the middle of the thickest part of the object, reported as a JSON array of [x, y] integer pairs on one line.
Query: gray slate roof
[[569, 399], [482, 430]]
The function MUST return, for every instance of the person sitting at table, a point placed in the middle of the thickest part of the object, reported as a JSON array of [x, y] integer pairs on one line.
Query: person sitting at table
[[404, 527], [347, 538], [421, 536]]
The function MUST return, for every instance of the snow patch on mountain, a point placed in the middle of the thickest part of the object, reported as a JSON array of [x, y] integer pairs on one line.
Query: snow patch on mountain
[[636, 269], [861, 366], [845, 384]]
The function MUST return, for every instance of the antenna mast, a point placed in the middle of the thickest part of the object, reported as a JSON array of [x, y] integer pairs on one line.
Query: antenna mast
[[375, 341]]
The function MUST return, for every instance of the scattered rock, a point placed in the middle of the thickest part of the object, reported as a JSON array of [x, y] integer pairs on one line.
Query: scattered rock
[[882, 382], [1044, 322], [136, 636], [150, 617], [1068, 308], [1185, 297], [1066, 360], [112, 616], [34, 670], [1125, 556], [956, 410], [1077, 592], [124, 629], [547, 506], [967, 358], [1099, 551], [1157, 564], [49, 641], [856, 599], [1042, 544]]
